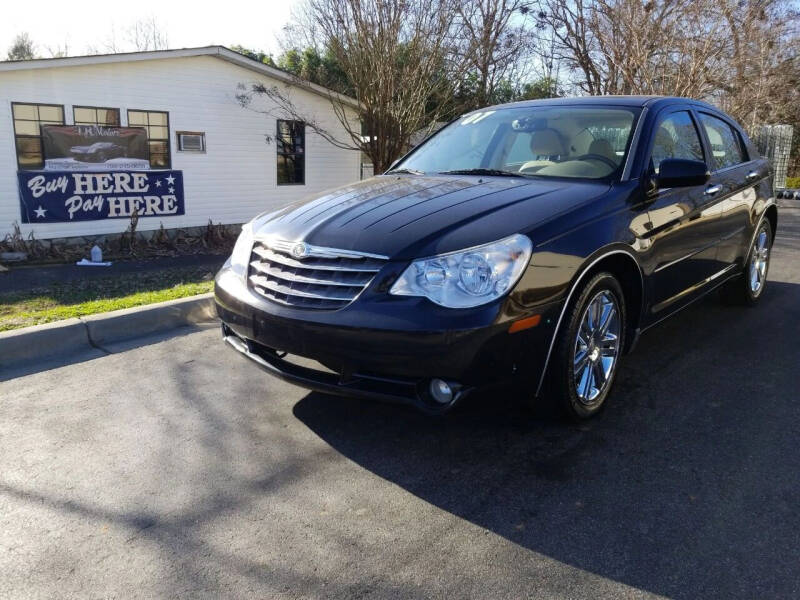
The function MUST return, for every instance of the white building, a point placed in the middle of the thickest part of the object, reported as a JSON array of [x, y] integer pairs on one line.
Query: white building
[[186, 100]]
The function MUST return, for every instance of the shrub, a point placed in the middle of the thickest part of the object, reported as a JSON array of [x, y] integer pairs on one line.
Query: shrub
[[132, 243], [792, 183]]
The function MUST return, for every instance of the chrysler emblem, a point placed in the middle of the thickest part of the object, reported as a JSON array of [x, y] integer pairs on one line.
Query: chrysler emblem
[[300, 250]]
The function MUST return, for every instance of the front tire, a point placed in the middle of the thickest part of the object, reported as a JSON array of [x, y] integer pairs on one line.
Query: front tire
[[588, 348]]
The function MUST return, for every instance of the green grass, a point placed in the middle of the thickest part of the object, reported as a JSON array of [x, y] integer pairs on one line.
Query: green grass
[[90, 296], [792, 183]]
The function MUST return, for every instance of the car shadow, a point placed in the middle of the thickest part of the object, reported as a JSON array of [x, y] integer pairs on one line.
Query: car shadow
[[686, 486]]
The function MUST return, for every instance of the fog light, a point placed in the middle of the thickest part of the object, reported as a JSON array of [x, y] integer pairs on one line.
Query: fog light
[[441, 391]]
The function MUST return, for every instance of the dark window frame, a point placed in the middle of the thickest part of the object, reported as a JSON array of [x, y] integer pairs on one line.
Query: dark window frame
[[34, 137], [736, 134], [293, 155], [96, 108], [663, 116], [178, 147], [146, 127]]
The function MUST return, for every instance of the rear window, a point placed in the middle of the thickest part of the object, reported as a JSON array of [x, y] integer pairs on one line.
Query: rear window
[[726, 144]]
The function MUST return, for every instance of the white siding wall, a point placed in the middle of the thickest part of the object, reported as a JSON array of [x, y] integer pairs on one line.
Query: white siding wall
[[232, 182]]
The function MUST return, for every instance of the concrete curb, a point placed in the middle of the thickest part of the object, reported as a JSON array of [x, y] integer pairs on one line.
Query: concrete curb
[[78, 335]]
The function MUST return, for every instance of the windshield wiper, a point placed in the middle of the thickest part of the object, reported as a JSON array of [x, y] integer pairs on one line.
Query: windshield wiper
[[407, 171], [490, 172]]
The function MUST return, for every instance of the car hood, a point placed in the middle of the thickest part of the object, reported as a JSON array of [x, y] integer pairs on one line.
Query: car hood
[[410, 216]]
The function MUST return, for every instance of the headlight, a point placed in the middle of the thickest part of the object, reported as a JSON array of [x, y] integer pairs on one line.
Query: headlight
[[240, 257], [467, 278]]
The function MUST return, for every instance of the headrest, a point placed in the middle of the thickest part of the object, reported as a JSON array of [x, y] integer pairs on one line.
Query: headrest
[[603, 147], [664, 143], [547, 142]]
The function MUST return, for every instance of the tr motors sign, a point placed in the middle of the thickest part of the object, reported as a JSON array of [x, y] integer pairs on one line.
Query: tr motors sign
[[65, 196], [94, 148]]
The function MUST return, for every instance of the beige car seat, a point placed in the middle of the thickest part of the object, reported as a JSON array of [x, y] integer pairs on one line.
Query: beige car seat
[[546, 142], [603, 148]]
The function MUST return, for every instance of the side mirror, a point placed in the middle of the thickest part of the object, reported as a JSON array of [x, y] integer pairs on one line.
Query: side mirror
[[679, 172]]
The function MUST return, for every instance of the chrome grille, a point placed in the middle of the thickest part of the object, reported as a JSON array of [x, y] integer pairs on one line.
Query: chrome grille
[[305, 276]]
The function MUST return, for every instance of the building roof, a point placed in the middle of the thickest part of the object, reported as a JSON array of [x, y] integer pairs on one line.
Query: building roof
[[220, 52]]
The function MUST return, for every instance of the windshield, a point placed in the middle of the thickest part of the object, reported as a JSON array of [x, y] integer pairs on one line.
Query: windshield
[[544, 141]]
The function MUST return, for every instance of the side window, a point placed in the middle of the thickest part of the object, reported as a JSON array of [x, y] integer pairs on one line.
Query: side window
[[291, 142], [28, 119], [157, 125], [676, 137], [90, 115], [726, 147]]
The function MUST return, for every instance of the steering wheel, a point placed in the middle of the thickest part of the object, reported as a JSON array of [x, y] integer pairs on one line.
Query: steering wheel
[[599, 157]]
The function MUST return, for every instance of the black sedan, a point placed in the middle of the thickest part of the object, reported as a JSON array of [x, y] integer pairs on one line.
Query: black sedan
[[529, 243], [97, 152]]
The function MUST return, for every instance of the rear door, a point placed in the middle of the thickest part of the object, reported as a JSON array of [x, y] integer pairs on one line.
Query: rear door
[[683, 221], [735, 175]]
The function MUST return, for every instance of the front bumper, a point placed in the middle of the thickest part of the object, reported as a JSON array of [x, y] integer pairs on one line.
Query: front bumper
[[379, 349]]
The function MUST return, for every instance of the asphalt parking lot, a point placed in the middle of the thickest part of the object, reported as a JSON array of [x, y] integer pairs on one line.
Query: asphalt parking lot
[[172, 468]]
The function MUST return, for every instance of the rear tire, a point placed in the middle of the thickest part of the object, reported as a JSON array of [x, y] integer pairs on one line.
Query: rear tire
[[747, 289], [588, 348]]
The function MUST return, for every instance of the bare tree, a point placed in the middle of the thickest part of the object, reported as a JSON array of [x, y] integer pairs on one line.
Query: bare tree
[[59, 50], [741, 54], [546, 63], [574, 43], [408, 61], [22, 48], [658, 46], [395, 54], [762, 78], [140, 36], [146, 34], [495, 37], [111, 44], [637, 46], [108, 45]]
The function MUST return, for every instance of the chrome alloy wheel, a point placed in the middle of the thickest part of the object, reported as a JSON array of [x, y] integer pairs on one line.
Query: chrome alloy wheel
[[596, 346], [758, 262]]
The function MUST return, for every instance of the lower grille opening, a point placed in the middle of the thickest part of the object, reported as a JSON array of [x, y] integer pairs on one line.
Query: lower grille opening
[[308, 363], [314, 375]]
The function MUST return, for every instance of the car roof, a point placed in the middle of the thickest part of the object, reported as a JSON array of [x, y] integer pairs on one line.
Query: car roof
[[629, 101]]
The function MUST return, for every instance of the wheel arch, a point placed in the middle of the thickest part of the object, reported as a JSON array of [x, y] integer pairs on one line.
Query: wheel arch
[[627, 271], [623, 265], [771, 214]]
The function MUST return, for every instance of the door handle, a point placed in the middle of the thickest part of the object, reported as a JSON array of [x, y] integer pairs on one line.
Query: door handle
[[714, 189], [752, 175]]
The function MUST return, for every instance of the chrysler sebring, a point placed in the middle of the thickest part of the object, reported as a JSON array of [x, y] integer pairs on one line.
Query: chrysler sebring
[[528, 243]]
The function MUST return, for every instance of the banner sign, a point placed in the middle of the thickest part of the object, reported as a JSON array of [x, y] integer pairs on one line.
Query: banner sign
[[94, 148], [64, 196]]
